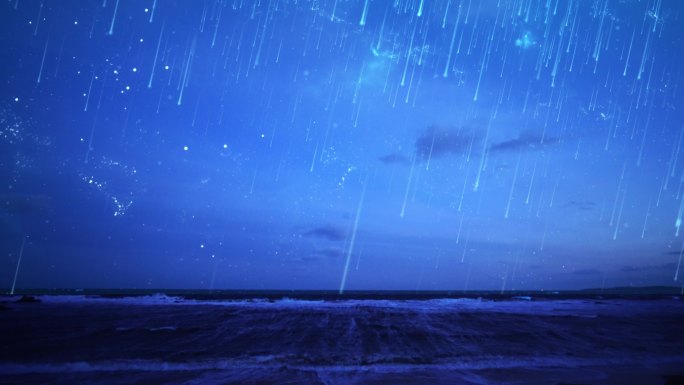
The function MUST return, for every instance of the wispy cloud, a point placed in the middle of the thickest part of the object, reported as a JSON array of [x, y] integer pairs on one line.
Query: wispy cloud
[[664, 266], [436, 141], [329, 232], [395, 158], [526, 140]]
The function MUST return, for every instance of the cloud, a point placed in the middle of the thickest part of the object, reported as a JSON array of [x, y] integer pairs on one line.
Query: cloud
[[395, 158], [635, 269], [526, 140], [329, 232], [438, 141], [434, 142]]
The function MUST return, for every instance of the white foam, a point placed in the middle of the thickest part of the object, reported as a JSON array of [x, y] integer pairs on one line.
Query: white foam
[[577, 307]]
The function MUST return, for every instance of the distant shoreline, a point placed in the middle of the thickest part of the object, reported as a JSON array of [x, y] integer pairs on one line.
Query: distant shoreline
[[635, 293]]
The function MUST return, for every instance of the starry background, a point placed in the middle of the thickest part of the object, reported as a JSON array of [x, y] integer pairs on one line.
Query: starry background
[[408, 144]]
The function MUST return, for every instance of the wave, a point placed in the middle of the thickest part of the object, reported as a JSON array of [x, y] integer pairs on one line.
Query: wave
[[273, 362], [587, 308]]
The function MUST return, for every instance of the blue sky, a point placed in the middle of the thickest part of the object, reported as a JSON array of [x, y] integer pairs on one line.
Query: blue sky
[[413, 145]]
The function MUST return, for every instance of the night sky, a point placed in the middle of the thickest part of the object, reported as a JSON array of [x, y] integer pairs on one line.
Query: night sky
[[281, 144]]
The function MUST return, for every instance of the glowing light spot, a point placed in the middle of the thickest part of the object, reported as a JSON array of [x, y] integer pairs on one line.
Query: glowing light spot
[[17, 99], [135, 69], [526, 41], [185, 148], [225, 146]]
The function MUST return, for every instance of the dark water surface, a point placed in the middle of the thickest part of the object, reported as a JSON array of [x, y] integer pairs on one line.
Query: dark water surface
[[174, 340]]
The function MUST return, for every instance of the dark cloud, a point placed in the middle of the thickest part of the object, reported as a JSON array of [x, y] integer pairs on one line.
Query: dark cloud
[[434, 142], [395, 158], [437, 141], [634, 269], [329, 232], [526, 140]]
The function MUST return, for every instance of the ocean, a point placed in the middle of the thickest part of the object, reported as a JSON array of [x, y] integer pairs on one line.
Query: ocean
[[165, 339]]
